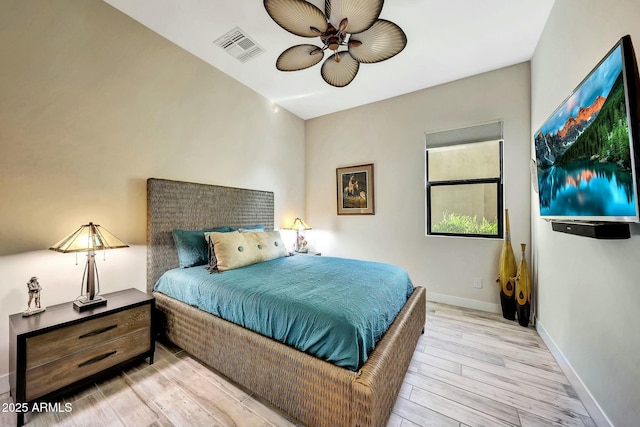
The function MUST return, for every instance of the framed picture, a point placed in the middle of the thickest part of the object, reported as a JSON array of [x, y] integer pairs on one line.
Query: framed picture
[[355, 190]]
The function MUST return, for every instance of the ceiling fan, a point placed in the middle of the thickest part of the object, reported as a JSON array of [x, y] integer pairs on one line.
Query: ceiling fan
[[353, 24]]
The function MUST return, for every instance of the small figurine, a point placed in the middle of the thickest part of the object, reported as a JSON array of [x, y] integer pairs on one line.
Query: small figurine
[[34, 289], [302, 244]]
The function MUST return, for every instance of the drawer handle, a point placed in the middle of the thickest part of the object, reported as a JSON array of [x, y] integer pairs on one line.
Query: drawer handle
[[98, 332], [97, 359]]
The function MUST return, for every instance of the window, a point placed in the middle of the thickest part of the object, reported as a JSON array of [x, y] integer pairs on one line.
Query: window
[[464, 182]]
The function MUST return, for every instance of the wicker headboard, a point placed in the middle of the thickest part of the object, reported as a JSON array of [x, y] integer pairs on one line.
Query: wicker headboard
[[189, 206]]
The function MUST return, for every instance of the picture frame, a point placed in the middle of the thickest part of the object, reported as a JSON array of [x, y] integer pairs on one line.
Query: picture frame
[[355, 190]]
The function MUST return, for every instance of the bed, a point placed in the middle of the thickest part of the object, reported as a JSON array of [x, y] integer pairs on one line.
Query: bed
[[312, 391]]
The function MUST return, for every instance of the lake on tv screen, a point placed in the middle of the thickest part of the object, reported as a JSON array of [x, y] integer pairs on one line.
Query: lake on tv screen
[[587, 188]]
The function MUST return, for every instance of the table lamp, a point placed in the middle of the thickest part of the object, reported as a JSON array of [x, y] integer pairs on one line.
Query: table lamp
[[298, 225], [89, 238]]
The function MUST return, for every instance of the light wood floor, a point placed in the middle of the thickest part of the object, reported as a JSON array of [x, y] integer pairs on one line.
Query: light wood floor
[[470, 368]]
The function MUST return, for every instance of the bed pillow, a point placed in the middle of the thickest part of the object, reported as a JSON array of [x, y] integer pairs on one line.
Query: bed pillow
[[271, 245], [236, 249], [252, 228], [211, 254], [192, 246]]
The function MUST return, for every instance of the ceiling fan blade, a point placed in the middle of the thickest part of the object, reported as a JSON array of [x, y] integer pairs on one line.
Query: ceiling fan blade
[[299, 57], [297, 16], [361, 14], [340, 73], [382, 41]]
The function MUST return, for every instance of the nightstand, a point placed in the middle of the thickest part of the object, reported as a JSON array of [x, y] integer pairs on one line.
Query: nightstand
[[60, 349]]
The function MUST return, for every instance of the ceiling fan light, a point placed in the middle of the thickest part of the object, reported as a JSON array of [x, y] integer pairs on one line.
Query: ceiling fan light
[[380, 42], [361, 14], [297, 16], [299, 57], [343, 24], [340, 73], [350, 23]]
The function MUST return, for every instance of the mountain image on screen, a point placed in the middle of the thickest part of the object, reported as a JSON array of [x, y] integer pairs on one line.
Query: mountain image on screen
[[598, 130]]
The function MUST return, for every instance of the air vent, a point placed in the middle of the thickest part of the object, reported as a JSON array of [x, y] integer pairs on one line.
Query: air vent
[[239, 45]]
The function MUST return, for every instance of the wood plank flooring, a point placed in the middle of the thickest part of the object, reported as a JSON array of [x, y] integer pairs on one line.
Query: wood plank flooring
[[470, 368]]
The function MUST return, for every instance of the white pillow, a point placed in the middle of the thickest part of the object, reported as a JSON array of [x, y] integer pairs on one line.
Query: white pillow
[[238, 249]]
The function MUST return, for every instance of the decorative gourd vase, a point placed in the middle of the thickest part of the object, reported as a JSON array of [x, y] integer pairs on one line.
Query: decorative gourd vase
[[523, 290], [507, 270]]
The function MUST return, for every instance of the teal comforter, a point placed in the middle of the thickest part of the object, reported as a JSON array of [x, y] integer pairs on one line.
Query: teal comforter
[[333, 308]]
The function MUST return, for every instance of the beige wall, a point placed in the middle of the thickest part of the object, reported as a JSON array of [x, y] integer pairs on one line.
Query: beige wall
[[91, 105], [588, 290], [390, 134]]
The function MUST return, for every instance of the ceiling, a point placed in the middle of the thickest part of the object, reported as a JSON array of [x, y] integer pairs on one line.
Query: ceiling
[[447, 40]]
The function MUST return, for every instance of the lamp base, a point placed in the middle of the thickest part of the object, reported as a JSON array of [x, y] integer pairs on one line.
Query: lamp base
[[83, 303]]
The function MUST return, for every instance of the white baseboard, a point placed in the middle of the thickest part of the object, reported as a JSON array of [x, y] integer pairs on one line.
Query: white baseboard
[[464, 302], [597, 414], [4, 384]]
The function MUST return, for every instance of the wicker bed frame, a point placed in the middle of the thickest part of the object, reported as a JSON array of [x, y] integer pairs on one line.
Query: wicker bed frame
[[310, 390]]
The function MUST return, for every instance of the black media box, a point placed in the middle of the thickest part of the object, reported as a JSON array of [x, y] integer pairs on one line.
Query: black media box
[[596, 230]]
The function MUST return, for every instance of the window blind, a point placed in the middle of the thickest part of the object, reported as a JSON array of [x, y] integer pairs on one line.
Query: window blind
[[479, 133]]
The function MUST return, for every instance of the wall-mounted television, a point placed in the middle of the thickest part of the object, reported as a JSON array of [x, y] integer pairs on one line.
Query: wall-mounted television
[[587, 150]]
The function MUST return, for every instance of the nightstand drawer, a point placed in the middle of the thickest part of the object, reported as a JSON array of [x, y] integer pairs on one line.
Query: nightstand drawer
[[58, 343], [67, 370]]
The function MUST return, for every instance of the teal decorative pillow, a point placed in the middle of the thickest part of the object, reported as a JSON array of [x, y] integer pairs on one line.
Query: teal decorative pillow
[[192, 246]]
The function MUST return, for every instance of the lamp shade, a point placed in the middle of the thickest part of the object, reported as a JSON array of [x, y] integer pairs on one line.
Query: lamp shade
[[88, 237], [299, 225]]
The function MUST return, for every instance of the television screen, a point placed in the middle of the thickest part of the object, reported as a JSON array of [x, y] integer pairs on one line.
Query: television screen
[[585, 152]]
